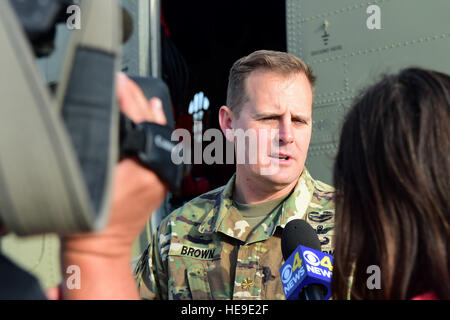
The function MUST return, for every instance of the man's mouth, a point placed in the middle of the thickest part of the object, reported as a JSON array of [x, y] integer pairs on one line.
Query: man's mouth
[[281, 157]]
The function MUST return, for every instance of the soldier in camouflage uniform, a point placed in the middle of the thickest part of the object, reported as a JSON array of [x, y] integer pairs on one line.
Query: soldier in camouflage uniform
[[226, 244]]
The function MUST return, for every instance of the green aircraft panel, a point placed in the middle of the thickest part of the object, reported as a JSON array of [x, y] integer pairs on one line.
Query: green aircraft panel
[[349, 44]]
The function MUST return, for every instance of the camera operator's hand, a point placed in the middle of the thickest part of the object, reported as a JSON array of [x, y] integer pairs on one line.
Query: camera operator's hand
[[104, 258]]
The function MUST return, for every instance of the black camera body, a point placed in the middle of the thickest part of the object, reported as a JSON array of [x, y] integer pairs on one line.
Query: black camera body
[[151, 143], [39, 19], [69, 141]]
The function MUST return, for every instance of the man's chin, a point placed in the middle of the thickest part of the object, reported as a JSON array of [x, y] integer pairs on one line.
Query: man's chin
[[278, 176], [271, 175]]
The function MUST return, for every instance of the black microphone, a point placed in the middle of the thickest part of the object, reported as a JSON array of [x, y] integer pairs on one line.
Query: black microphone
[[313, 278]]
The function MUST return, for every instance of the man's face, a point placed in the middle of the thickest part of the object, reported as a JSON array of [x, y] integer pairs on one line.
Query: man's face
[[279, 110]]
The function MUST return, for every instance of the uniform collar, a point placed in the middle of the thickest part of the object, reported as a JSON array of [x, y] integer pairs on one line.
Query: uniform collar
[[211, 222], [224, 218], [296, 205]]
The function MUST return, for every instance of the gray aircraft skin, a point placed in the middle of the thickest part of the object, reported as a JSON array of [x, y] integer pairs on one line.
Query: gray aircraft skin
[[348, 44]]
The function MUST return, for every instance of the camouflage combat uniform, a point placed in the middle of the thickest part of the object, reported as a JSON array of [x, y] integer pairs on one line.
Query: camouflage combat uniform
[[191, 254]]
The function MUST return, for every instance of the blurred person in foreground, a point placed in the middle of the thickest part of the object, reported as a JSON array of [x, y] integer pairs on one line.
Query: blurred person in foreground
[[104, 257], [392, 180]]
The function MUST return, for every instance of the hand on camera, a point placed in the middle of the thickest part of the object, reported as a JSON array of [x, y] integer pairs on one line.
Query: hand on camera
[[104, 257]]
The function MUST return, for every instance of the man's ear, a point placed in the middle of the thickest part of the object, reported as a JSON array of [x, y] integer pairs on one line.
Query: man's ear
[[225, 121]]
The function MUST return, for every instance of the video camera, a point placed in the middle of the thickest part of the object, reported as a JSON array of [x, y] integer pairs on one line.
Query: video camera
[[58, 151]]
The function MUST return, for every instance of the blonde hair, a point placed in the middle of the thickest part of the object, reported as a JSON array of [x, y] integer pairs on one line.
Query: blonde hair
[[275, 61]]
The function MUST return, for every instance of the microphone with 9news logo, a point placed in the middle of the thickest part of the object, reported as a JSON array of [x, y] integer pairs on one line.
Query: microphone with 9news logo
[[306, 273]]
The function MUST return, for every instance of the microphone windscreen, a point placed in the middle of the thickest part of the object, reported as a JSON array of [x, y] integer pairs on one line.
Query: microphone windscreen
[[298, 232]]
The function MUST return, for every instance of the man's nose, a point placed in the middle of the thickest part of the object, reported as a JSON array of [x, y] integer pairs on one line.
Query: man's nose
[[286, 134]]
